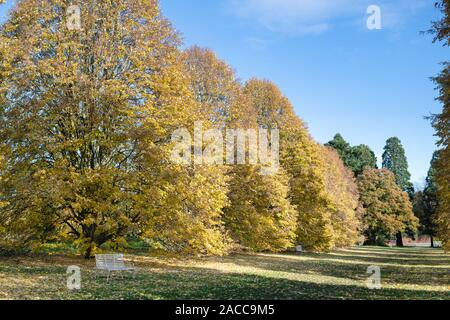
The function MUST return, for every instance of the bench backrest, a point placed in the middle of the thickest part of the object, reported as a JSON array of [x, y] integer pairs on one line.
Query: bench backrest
[[108, 261]]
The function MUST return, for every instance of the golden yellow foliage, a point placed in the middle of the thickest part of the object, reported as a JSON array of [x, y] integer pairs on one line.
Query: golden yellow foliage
[[260, 216], [343, 195], [387, 209], [301, 158], [91, 112]]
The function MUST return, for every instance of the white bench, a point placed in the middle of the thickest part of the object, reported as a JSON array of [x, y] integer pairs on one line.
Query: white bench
[[113, 263]]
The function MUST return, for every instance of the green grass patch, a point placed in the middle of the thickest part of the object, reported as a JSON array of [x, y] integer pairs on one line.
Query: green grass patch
[[407, 273]]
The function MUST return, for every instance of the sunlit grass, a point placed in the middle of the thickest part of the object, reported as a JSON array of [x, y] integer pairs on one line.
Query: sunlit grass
[[406, 274]]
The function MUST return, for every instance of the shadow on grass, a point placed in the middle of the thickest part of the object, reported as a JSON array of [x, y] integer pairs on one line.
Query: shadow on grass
[[160, 280], [196, 284], [428, 253], [346, 264]]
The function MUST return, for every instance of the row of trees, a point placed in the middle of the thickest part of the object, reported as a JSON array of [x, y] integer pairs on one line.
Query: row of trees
[[86, 122], [86, 118], [385, 194]]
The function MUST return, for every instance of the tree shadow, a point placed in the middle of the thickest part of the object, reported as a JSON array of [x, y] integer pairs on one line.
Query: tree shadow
[[204, 283], [344, 267], [264, 279]]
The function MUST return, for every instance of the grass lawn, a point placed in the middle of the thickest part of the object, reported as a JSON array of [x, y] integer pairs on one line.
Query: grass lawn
[[407, 273]]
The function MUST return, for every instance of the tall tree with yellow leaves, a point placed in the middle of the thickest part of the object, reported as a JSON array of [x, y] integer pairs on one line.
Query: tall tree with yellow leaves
[[387, 208], [343, 194], [302, 160], [90, 97], [259, 216]]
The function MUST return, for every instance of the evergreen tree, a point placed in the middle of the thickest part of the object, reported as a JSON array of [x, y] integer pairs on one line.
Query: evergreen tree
[[360, 158], [356, 158], [394, 160], [430, 201], [341, 146]]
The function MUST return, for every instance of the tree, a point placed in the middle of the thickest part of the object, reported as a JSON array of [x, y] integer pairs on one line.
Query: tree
[[360, 158], [313, 193], [88, 116], [387, 209], [260, 216], [427, 202], [441, 123], [394, 159], [343, 194], [217, 90], [356, 158], [341, 146]]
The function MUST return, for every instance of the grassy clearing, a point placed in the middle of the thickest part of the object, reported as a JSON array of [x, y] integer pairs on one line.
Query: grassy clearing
[[409, 273]]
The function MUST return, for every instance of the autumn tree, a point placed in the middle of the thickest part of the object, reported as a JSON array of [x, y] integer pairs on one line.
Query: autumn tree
[[87, 115], [343, 196], [3, 201], [394, 160], [217, 90], [303, 160], [441, 123], [259, 216], [387, 209]]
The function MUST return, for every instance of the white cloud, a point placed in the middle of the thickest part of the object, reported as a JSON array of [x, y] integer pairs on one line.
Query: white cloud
[[294, 16], [297, 17]]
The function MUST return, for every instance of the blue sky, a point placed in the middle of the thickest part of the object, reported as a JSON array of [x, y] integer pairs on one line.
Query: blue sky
[[368, 85], [339, 75]]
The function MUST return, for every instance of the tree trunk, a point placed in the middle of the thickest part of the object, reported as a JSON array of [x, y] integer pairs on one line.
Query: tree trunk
[[88, 253], [432, 241], [400, 240], [371, 240]]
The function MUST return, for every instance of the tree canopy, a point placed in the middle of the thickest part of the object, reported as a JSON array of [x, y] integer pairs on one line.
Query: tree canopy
[[357, 158], [394, 159], [426, 203], [87, 118], [387, 209], [441, 123]]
